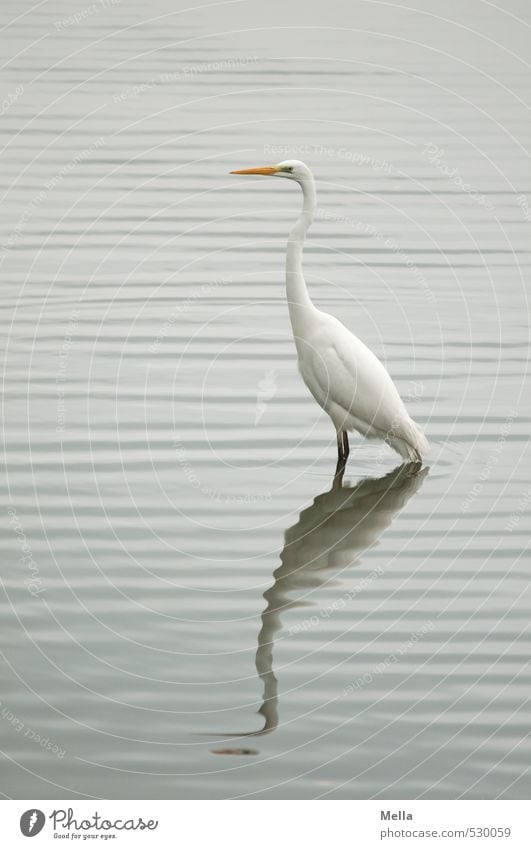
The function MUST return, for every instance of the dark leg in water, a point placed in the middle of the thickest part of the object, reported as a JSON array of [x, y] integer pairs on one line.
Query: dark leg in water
[[342, 445], [342, 454]]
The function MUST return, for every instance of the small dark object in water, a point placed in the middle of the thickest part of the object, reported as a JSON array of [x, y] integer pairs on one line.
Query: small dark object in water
[[234, 752]]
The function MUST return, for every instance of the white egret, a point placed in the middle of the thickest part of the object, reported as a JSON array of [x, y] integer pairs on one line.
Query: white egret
[[343, 375]]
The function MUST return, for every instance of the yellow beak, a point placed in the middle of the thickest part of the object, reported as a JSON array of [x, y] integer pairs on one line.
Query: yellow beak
[[266, 171]]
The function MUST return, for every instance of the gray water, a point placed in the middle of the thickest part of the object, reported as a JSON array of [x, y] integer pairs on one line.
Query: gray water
[[189, 607]]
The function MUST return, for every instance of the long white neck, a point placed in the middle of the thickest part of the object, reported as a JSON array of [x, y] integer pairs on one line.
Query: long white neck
[[300, 305]]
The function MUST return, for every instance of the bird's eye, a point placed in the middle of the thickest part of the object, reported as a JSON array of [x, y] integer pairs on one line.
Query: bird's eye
[[290, 169]]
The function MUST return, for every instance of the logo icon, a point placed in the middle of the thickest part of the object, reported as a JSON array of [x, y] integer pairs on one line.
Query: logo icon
[[267, 389], [31, 822]]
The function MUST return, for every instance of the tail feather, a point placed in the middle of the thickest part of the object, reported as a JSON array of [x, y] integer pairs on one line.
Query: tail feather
[[410, 442], [404, 436]]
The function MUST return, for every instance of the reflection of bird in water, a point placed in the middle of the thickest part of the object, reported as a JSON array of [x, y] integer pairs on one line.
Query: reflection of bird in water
[[329, 536]]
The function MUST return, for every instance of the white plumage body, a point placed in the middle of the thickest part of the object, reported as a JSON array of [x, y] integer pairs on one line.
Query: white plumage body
[[351, 384]]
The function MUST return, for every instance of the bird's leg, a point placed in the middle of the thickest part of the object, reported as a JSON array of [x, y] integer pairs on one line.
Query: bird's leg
[[338, 474], [346, 447], [342, 454], [342, 445]]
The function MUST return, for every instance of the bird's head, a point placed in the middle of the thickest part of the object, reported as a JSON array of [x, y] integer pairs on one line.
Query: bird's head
[[292, 169]]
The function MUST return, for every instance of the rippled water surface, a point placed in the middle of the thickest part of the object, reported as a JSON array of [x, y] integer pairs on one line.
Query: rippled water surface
[[189, 607]]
